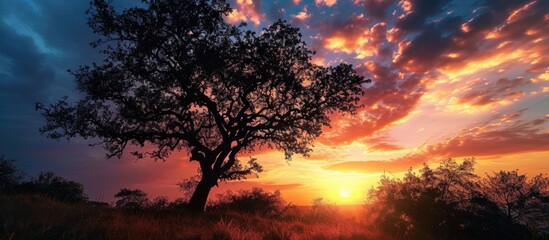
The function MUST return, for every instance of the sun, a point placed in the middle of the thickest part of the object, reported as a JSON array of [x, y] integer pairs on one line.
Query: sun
[[345, 193]]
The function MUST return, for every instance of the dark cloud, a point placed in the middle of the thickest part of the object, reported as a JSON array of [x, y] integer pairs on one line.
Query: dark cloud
[[417, 12], [40, 41], [465, 39], [424, 52], [502, 89], [378, 8], [26, 73]]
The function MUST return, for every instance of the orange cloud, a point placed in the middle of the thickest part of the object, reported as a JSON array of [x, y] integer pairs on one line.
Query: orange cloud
[[386, 102], [302, 16], [354, 37], [513, 34], [496, 137], [385, 147], [328, 3], [246, 10]]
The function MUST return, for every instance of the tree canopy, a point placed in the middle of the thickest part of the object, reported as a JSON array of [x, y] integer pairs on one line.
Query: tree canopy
[[452, 202], [178, 77]]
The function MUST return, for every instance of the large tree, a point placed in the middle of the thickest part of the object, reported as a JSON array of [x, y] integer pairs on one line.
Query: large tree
[[177, 76]]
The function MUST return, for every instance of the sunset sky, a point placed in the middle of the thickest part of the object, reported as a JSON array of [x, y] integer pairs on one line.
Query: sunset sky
[[450, 79]]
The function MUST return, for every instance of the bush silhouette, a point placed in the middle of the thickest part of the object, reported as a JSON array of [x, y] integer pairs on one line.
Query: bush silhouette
[[9, 175], [55, 187], [446, 202], [257, 201], [132, 199]]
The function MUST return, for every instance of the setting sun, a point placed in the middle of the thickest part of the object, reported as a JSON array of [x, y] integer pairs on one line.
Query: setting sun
[[345, 193]]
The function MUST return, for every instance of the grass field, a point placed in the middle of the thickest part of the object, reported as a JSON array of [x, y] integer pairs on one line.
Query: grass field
[[37, 217]]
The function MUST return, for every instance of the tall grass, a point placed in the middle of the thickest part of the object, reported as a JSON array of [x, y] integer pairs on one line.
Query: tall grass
[[38, 217]]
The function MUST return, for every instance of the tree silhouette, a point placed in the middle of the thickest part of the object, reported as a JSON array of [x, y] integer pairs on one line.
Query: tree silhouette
[[9, 175], [55, 187], [446, 202], [521, 200], [131, 199], [177, 76]]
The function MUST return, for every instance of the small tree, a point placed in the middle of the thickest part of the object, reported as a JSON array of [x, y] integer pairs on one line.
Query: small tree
[[439, 203], [131, 199], [177, 76], [9, 175], [522, 200]]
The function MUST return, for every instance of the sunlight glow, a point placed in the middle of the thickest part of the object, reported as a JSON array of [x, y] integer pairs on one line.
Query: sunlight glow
[[345, 193]]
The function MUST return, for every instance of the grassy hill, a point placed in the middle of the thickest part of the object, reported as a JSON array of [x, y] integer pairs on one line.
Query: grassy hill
[[37, 217]]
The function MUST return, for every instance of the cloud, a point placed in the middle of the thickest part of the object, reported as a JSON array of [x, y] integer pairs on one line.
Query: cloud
[[502, 135], [373, 166], [501, 90], [327, 3], [416, 13], [391, 98], [302, 16], [381, 144], [377, 8], [454, 44], [246, 11]]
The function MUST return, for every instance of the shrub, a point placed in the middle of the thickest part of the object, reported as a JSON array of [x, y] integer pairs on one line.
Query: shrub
[[9, 175], [131, 199], [55, 187], [257, 201], [445, 202]]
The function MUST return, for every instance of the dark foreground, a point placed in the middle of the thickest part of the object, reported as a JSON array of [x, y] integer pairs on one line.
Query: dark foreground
[[37, 217]]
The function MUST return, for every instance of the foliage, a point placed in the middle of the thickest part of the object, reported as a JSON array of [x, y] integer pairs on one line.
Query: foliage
[[522, 201], [257, 201], [443, 203], [187, 187], [55, 187], [177, 76], [9, 175], [159, 203], [131, 199]]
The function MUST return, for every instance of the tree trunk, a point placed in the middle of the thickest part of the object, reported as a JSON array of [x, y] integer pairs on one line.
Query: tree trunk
[[200, 195]]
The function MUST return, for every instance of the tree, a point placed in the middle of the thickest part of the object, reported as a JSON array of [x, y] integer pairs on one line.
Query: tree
[[55, 187], [178, 77], [521, 200], [9, 175], [131, 199], [440, 203]]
